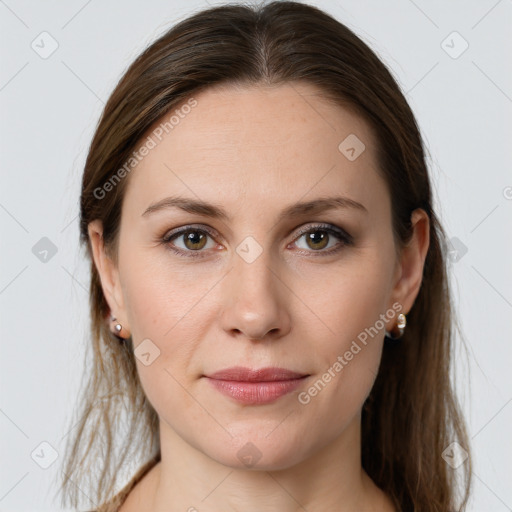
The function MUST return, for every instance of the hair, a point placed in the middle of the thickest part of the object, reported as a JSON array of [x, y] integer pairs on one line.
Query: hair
[[411, 414]]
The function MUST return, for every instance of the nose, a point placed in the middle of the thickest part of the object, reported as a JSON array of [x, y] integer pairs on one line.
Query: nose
[[255, 300]]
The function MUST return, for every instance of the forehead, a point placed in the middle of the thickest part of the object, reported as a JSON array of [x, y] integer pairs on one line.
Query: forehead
[[272, 144]]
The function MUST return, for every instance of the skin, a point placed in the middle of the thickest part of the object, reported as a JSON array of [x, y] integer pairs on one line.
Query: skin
[[254, 151]]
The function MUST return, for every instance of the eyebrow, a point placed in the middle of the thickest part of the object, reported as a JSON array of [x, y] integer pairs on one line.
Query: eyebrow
[[205, 209]]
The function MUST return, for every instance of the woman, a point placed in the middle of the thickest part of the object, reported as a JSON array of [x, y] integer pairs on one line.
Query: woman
[[271, 317]]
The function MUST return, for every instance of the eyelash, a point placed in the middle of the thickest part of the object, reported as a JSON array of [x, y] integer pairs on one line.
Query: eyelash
[[346, 239]]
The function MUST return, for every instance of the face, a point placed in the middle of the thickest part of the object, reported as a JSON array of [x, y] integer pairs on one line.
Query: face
[[311, 291]]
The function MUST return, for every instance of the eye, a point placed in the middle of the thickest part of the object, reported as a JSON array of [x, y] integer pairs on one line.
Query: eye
[[193, 240], [317, 239]]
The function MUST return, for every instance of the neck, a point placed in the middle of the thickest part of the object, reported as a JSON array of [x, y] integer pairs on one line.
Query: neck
[[330, 479]]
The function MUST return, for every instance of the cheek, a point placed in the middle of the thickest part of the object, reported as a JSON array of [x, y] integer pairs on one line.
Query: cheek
[[350, 304], [347, 369], [353, 307], [168, 316], [161, 298], [165, 327]]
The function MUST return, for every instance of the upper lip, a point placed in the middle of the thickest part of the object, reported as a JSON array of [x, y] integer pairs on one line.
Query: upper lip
[[244, 374]]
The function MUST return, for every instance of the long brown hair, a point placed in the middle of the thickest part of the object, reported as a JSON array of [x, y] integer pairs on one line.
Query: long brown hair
[[411, 414]]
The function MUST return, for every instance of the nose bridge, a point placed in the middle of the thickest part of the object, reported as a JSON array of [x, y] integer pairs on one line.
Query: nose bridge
[[254, 301], [253, 273]]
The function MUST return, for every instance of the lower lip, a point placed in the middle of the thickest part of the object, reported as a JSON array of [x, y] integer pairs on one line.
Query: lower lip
[[256, 392]]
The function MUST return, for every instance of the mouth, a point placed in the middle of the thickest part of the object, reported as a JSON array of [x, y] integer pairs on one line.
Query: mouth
[[255, 386]]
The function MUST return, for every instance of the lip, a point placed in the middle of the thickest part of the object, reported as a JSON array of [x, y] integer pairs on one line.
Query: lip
[[255, 386]]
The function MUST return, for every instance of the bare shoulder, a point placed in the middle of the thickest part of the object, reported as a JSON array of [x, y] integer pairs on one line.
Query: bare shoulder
[[387, 504], [142, 493]]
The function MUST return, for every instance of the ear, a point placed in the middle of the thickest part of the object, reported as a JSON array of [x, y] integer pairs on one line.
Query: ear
[[108, 272], [410, 267]]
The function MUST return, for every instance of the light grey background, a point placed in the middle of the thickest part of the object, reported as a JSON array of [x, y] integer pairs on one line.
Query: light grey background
[[50, 108]]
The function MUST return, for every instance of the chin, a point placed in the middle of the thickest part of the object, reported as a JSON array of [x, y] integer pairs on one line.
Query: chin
[[254, 451]]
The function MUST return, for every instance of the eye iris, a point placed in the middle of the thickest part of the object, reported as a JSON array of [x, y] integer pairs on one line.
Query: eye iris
[[195, 237], [322, 239]]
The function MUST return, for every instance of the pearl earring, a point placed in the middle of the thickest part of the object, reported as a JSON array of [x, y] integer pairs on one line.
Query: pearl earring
[[400, 328]]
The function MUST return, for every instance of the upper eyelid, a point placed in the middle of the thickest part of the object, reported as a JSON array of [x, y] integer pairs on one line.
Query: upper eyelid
[[321, 225], [190, 227]]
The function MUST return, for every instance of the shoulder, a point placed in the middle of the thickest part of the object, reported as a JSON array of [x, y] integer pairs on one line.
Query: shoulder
[[115, 503]]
